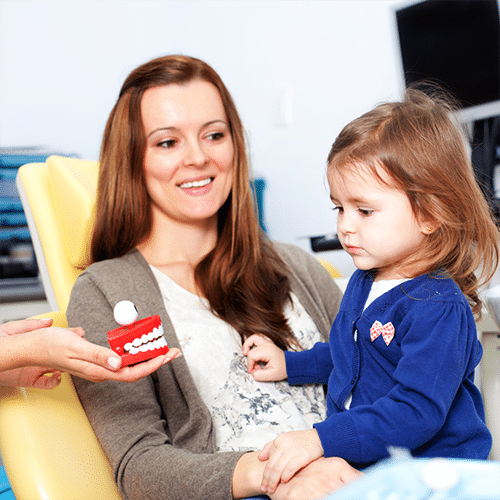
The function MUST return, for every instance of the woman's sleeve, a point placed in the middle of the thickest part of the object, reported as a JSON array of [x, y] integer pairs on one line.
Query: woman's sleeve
[[130, 423]]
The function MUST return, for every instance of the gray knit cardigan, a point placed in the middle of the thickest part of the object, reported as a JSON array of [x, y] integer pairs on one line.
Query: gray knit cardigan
[[157, 433]]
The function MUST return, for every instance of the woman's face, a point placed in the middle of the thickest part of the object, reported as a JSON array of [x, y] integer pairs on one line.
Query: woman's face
[[188, 163]]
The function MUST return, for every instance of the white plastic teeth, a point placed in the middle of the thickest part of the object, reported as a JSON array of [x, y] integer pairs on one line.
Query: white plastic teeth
[[148, 342]]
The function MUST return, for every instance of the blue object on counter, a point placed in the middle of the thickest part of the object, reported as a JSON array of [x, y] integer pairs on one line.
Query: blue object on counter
[[258, 186], [404, 478]]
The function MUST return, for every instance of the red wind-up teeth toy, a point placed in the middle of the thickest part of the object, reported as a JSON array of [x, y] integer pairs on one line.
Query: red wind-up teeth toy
[[136, 341]]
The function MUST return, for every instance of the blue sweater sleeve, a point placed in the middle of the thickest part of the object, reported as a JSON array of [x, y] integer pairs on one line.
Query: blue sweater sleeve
[[439, 352], [309, 367]]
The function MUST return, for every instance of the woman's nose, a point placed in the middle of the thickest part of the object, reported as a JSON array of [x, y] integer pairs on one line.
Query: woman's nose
[[195, 155]]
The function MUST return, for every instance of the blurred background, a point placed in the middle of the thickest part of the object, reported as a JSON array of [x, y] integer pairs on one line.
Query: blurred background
[[298, 70]]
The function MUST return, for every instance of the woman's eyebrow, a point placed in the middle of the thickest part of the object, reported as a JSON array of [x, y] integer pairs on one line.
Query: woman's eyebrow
[[174, 128]]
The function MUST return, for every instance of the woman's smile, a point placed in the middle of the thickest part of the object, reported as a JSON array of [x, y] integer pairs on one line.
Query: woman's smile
[[196, 183]]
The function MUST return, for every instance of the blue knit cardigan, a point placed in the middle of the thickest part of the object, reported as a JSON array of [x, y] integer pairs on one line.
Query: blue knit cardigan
[[417, 392]]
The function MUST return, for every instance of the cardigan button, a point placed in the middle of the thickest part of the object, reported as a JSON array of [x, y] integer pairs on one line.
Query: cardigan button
[[353, 381]]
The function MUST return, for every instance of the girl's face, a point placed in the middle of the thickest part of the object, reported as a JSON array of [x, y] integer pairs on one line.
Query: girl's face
[[188, 163], [376, 224]]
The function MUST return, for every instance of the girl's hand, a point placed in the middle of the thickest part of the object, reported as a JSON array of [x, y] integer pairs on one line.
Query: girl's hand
[[265, 361], [287, 454]]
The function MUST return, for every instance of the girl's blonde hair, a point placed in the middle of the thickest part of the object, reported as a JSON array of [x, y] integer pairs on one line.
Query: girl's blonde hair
[[424, 150]]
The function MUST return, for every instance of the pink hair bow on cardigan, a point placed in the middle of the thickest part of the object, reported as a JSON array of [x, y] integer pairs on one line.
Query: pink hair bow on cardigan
[[387, 331]]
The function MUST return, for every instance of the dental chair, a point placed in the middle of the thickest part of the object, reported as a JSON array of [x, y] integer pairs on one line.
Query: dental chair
[[48, 447]]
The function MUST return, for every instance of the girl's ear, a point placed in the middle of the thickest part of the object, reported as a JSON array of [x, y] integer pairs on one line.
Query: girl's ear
[[428, 226]]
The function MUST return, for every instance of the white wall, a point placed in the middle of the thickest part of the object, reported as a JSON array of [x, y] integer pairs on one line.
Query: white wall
[[62, 64]]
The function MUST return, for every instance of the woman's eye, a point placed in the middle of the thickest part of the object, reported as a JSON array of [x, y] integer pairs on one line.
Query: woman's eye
[[339, 209], [168, 143], [215, 136]]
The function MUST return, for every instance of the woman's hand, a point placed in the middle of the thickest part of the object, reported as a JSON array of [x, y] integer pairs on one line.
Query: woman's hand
[[32, 350], [318, 479], [265, 361]]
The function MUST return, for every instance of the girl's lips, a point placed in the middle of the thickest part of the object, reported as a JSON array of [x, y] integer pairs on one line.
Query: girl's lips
[[353, 250]]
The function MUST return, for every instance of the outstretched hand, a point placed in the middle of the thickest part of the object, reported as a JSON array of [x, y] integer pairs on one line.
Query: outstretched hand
[[265, 360], [36, 354], [287, 454]]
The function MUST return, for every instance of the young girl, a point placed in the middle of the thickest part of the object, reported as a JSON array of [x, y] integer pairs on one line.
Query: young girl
[[402, 352]]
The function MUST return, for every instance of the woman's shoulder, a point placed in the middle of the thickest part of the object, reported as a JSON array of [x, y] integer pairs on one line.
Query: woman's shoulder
[[295, 256], [305, 268], [125, 275], [131, 262]]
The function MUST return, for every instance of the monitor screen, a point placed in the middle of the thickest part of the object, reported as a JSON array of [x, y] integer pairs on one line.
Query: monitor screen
[[455, 43]]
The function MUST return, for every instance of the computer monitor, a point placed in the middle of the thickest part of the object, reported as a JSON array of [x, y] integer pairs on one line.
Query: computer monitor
[[456, 44]]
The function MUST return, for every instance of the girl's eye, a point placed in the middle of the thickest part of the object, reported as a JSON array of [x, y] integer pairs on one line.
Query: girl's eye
[[365, 212], [339, 209], [168, 143]]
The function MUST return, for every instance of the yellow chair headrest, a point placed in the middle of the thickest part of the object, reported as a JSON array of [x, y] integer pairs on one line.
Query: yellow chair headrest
[[73, 184]]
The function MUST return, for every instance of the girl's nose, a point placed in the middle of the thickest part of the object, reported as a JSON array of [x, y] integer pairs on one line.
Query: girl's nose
[[345, 224]]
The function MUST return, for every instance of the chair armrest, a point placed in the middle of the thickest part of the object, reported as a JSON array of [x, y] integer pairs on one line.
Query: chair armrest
[[48, 447]]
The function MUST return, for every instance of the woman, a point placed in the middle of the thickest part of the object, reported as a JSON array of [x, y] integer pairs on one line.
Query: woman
[[176, 233]]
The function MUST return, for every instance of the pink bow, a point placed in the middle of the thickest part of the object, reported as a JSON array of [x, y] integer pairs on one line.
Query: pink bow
[[387, 331]]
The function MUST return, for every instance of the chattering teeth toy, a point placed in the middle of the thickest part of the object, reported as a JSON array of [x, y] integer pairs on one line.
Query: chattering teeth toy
[[136, 341]]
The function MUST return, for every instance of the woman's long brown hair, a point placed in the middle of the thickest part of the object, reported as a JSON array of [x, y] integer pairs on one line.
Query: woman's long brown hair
[[243, 278], [423, 149]]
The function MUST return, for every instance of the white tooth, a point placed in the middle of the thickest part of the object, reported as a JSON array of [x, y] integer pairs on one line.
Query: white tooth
[[143, 348], [144, 339], [134, 350], [196, 184], [156, 333], [151, 346], [136, 342], [150, 336], [127, 346], [160, 329], [163, 342]]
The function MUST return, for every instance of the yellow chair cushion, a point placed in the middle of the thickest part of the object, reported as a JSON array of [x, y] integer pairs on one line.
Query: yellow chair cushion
[[73, 184]]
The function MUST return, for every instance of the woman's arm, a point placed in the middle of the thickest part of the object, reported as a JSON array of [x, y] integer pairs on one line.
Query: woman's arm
[[247, 476], [156, 433]]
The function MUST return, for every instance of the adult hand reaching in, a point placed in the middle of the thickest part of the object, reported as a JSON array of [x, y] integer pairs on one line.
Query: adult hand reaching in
[[34, 354]]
